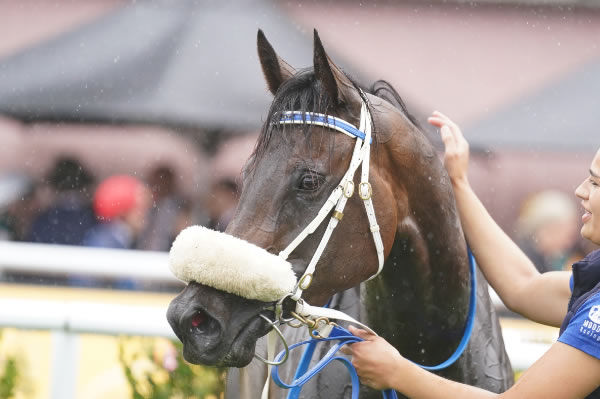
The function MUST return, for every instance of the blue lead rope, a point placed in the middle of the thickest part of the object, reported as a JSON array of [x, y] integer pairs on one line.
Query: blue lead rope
[[343, 336], [294, 393], [470, 320]]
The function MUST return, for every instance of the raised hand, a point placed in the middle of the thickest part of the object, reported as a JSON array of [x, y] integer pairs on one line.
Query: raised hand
[[456, 156]]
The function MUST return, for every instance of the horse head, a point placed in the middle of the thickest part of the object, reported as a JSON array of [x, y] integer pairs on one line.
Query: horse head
[[291, 174]]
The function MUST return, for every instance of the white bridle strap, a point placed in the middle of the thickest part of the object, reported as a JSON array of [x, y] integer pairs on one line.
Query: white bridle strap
[[316, 222], [365, 190], [306, 310], [347, 188], [340, 195]]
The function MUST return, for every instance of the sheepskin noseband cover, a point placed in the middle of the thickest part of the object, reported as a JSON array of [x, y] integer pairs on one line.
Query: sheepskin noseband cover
[[230, 264]]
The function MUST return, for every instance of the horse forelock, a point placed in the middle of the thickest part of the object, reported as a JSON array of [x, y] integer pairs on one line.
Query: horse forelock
[[304, 93]]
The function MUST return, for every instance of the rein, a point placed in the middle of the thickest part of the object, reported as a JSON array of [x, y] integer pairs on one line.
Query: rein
[[317, 319], [341, 337]]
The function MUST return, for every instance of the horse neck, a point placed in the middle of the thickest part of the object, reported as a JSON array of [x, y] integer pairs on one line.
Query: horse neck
[[419, 302]]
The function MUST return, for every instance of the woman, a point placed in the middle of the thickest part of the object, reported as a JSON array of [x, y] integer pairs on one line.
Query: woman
[[571, 367]]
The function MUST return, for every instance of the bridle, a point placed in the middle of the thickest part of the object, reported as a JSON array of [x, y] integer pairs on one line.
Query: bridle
[[334, 209], [345, 189], [318, 319]]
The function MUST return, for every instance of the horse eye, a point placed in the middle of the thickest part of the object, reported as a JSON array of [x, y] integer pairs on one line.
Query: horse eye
[[310, 182]]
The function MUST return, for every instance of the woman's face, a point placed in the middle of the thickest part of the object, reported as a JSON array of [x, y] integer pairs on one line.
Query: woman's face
[[589, 192]]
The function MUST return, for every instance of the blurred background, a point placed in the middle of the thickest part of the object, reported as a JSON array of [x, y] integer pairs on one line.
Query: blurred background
[[155, 105]]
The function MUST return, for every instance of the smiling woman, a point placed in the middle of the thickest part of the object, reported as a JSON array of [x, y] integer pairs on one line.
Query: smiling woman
[[590, 200], [571, 367]]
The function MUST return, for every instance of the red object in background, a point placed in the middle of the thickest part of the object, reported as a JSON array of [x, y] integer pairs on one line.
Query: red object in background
[[115, 196]]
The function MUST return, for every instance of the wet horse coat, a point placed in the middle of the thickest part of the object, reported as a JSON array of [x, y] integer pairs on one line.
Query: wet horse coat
[[419, 301]]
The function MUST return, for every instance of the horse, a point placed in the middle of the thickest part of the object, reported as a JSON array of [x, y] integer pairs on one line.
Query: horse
[[418, 301]]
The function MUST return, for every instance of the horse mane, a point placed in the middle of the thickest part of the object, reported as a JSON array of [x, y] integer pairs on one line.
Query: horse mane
[[303, 92], [384, 90]]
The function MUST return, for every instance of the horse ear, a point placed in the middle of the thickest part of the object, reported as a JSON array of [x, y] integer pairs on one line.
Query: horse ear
[[335, 82], [275, 69]]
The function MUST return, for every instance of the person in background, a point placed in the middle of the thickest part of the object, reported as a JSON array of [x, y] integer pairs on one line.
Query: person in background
[[570, 369], [70, 214], [221, 203], [166, 206], [121, 204], [18, 205], [547, 230], [185, 217]]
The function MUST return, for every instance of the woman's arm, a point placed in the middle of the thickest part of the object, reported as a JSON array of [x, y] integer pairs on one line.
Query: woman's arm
[[539, 297], [562, 373]]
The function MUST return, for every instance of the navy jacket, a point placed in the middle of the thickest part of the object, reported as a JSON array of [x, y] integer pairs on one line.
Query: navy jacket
[[586, 282]]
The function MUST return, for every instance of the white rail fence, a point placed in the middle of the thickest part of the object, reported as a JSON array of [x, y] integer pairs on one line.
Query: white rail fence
[[46, 259], [67, 319]]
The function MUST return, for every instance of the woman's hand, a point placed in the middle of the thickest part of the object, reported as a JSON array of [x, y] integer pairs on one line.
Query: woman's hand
[[375, 360], [456, 156]]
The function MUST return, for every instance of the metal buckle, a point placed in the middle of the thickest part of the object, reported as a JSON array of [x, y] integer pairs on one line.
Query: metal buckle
[[313, 325], [337, 215], [320, 323], [365, 196], [302, 320], [302, 284], [348, 189]]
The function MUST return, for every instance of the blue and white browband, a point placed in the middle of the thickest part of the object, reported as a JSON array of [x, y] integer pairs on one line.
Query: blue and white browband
[[328, 121]]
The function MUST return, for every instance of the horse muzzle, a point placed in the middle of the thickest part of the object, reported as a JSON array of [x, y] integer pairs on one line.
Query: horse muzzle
[[215, 327]]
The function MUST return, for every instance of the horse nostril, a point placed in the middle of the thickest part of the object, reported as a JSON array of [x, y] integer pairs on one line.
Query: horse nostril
[[202, 323], [198, 318]]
